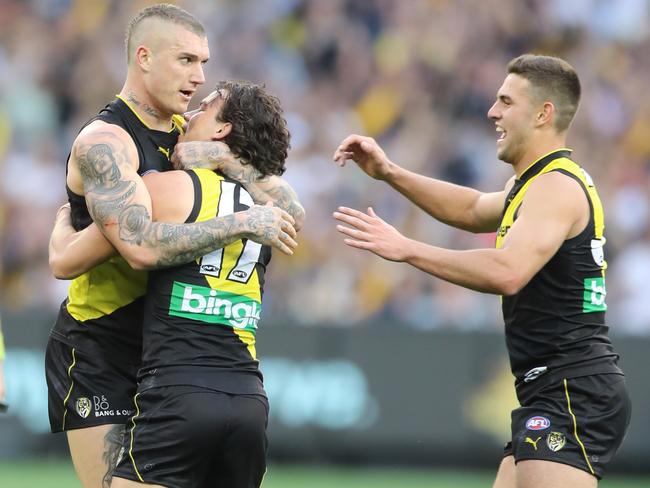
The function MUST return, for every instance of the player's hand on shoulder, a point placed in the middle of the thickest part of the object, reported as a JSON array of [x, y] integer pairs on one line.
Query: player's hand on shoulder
[[366, 153], [271, 226], [203, 154]]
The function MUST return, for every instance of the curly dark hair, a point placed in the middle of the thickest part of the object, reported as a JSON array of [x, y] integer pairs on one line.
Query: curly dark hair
[[259, 134]]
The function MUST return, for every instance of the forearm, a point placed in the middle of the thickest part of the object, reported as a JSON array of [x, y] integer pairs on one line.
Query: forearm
[[73, 253], [449, 203], [264, 189], [484, 270], [160, 244], [277, 191], [199, 154]]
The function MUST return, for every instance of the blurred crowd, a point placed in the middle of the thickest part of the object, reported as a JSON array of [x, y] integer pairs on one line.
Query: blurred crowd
[[418, 75]]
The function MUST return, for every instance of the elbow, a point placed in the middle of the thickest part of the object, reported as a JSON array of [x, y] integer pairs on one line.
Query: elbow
[[141, 260], [510, 283], [60, 271]]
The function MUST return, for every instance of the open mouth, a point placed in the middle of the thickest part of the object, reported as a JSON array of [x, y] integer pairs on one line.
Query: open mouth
[[502, 134], [187, 94]]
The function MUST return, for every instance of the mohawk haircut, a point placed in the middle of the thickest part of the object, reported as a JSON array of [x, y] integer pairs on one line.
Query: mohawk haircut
[[165, 12]]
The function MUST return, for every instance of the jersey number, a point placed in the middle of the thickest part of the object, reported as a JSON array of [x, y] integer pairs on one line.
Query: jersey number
[[212, 264]]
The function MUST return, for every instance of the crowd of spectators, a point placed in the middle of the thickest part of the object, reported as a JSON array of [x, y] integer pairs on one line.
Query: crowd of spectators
[[418, 75]]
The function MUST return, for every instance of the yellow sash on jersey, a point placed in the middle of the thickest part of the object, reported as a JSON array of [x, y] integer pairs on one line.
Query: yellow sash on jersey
[[211, 196], [571, 167]]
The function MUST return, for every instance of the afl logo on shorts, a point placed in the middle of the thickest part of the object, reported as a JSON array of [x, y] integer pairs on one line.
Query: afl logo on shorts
[[83, 407], [555, 441], [538, 423]]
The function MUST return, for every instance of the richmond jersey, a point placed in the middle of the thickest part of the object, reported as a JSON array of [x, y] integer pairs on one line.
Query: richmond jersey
[[557, 321], [105, 305], [201, 318]]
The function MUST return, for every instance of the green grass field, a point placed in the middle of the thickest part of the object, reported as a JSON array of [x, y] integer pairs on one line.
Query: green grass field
[[59, 474]]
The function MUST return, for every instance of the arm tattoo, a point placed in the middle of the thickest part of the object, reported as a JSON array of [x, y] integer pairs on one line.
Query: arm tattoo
[[263, 189], [204, 155], [178, 244], [100, 167], [110, 200], [112, 452]]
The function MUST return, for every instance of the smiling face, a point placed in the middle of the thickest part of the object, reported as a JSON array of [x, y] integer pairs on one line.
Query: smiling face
[[514, 115], [173, 66], [204, 123]]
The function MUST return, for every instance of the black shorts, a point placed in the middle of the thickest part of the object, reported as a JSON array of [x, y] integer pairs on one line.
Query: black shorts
[[85, 389], [579, 421], [192, 437]]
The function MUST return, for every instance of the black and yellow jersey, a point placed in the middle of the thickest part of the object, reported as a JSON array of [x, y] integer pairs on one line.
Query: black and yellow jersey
[[201, 318], [105, 305], [556, 323]]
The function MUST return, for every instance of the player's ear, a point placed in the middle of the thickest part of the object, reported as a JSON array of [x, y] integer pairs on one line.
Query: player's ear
[[545, 114], [143, 57], [222, 131]]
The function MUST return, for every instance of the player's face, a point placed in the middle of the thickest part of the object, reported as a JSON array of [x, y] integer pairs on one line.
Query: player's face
[[177, 70], [203, 123], [513, 116]]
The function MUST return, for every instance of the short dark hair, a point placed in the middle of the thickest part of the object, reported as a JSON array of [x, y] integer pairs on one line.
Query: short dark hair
[[552, 79], [259, 133], [166, 12]]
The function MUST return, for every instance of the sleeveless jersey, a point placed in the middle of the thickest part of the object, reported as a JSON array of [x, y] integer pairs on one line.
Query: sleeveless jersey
[[201, 318], [105, 305], [556, 323]]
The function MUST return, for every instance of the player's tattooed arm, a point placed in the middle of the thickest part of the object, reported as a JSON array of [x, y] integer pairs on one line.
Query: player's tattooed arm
[[269, 188], [120, 205], [262, 188], [199, 154], [182, 243]]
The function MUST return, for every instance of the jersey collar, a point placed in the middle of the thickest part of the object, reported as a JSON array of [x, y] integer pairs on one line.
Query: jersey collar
[[538, 165], [533, 170]]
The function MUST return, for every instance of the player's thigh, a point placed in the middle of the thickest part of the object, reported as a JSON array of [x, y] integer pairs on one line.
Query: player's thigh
[[124, 483], [506, 474], [534, 473], [94, 453]]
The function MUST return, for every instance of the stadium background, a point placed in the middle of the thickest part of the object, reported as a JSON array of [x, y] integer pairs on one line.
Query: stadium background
[[368, 363]]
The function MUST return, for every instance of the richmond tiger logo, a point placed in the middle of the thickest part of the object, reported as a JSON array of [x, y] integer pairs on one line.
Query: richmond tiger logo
[[83, 407], [555, 441]]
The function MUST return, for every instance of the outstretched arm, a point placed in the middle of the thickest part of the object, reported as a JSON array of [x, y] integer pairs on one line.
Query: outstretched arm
[[105, 159], [455, 205], [263, 189], [554, 209]]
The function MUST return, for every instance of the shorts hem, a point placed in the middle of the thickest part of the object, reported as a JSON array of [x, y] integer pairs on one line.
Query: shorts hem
[[133, 477], [104, 421], [598, 475]]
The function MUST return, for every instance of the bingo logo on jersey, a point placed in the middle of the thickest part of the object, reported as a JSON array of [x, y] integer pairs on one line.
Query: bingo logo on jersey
[[214, 306], [538, 423]]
